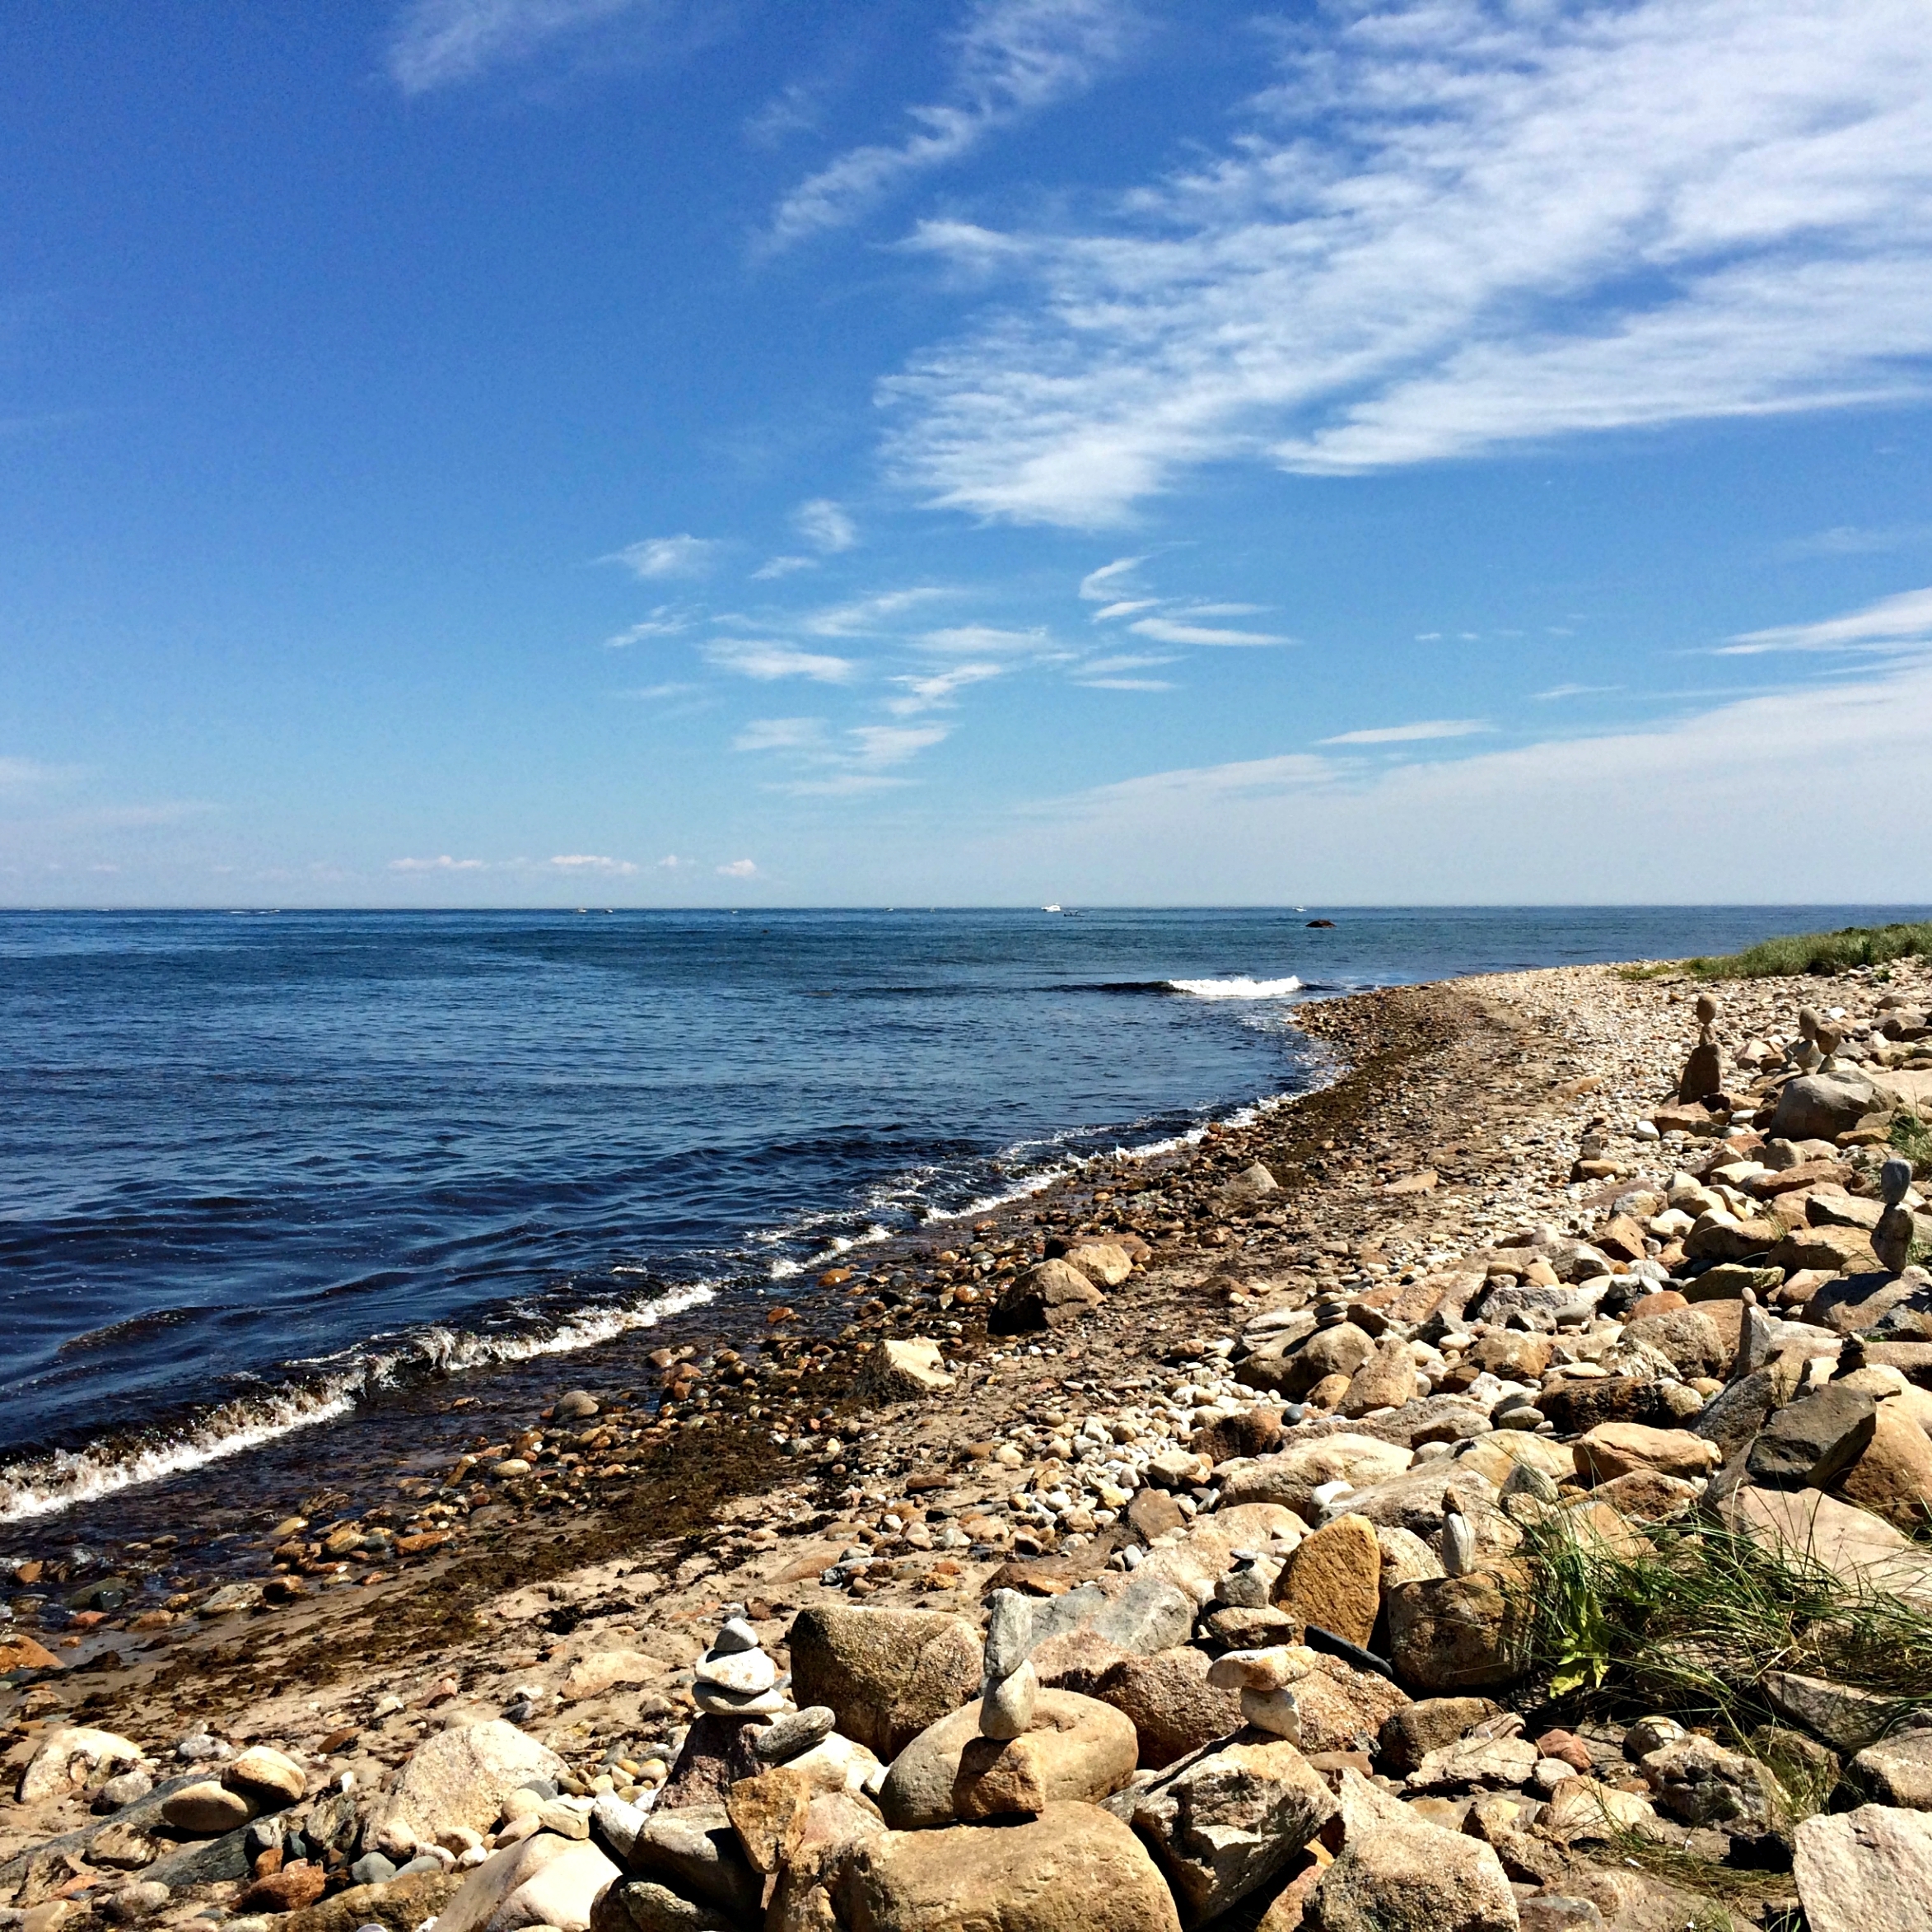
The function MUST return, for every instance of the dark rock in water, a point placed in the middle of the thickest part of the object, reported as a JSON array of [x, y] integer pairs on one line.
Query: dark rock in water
[[1321, 924], [1808, 1444]]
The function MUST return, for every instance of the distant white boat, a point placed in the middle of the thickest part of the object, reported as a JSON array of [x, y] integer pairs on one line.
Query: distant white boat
[[1049, 908]]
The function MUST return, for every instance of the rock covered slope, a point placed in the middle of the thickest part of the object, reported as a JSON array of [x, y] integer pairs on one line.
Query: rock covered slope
[[1186, 1550]]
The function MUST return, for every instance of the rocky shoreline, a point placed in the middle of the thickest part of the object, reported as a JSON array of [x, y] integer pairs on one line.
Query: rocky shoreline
[[1170, 1551]]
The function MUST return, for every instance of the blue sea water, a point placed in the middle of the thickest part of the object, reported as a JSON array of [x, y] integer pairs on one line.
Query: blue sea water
[[254, 1165]]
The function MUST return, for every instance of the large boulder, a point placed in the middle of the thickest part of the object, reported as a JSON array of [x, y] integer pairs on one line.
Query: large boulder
[[1076, 1748], [642, 1905], [1334, 1579], [1339, 1350], [1173, 1707], [1073, 1868], [901, 1370], [461, 1777], [1386, 1380], [1685, 1338], [1897, 1770], [1619, 1449], [1862, 1550], [72, 1758], [1451, 1634], [1701, 1783], [886, 1673], [1291, 1476], [1893, 1476], [1048, 1295], [1224, 1820], [1809, 1444], [545, 1880], [1821, 1106], [1398, 1873], [1139, 1613], [1344, 1709], [1865, 1868]]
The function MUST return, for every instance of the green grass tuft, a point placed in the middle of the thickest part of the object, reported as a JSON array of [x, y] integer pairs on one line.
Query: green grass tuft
[[1912, 1137], [1691, 1623], [1814, 953]]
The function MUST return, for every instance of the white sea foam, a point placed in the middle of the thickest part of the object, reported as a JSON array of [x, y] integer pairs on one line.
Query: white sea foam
[[52, 1483], [1240, 988]]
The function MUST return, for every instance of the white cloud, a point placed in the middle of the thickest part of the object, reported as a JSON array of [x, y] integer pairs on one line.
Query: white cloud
[[1556, 691], [893, 745], [443, 863], [783, 567], [1106, 667], [442, 43], [984, 641], [670, 862], [1126, 684], [1460, 226], [925, 693], [779, 734], [1012, 57], [1411, 733], [1165, 631], [593, 862], [683, 556], [1620, 819], [738, 869], [27, 770], [825, 525], [870, 616], [1905, 619], [1112, 613], [751, 658], [668, 620], [655, 694], [1099, 587]]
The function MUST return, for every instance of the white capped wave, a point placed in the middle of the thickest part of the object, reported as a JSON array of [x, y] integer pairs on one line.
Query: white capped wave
[[52, 1483], [1239, 988]]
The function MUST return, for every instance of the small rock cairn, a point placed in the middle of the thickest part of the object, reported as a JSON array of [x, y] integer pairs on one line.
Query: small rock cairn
[[1892, 1239], [735, 1678], [1012, 1686], [1704, 1071]]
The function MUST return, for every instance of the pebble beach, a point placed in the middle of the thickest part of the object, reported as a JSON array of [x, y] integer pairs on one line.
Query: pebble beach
[[1156, 1553]]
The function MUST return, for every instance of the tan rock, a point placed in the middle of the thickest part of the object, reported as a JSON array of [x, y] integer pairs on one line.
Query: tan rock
[[1291, 1477], [899, 1370], [1397, 1872], [1050, 1295], [1078, 1749], [461, 1777], [1861, 1869], [1171, 1703], [1385, 1381], [1617, 1448], [544, 1881], [886, 1673], [1343, 1709], [1456, 1633], [1223, 1821], [71, 1756], [1101, 1262], [602, 1671], [1334, 1579], [1897, 1770], [208, 1810], [271, 1777], [1073, 1868], [1893, 1476]]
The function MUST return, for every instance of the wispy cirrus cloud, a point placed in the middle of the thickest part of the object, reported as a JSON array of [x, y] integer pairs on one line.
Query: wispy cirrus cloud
[[768, 661], [1011, 58], [1561, 691], [1171, 631], [874, 616], [682, 556], [668, 620], [938, 688], [26, 771], [1903, 622], [827, 526], [1459, 227], [1412, 733], [442, 863], [445, 43]]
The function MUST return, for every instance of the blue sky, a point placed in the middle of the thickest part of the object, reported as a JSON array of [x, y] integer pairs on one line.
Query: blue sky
[[646, 452]]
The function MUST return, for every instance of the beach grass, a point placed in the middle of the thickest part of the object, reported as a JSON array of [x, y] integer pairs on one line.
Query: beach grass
[[1692, 1621], [1799, 953]]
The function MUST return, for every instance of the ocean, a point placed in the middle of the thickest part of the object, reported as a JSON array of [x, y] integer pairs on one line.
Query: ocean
[[262, 1171]]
